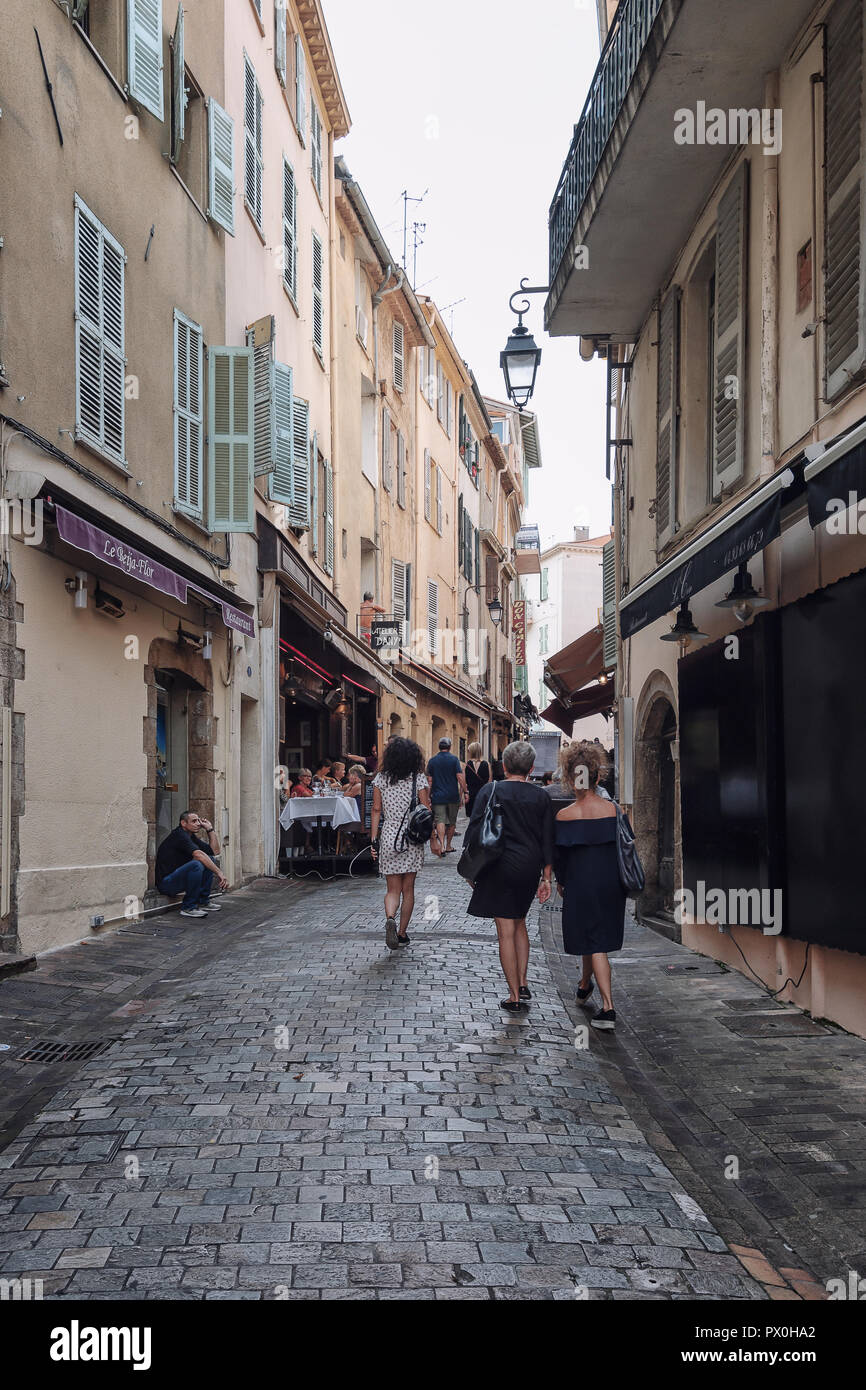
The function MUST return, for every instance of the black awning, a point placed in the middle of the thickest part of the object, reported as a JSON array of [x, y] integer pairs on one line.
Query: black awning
[[836, 479], [731, 541]]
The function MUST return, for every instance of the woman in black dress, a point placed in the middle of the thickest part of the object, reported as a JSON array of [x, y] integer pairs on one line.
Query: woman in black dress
[[587, 876], [505, 891], [477, 775]]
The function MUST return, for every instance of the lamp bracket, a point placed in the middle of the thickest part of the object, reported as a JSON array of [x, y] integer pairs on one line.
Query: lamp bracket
[[524, 290]]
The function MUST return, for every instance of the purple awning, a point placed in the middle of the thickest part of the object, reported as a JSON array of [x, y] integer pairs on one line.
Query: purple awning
[[136, 565]]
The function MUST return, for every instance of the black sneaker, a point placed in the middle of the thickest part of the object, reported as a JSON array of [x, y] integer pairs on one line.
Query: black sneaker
[[391, 933], [605, 1018], [402, 940], [583, 994]]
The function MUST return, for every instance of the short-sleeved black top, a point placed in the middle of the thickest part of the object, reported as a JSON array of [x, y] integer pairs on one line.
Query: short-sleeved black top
[[176, 850]]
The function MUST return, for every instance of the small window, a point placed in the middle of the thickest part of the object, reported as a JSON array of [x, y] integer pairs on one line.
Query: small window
[[502, 431], [191, 156]]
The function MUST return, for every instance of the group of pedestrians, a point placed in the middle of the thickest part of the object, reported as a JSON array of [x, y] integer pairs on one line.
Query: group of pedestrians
[[575, 848]]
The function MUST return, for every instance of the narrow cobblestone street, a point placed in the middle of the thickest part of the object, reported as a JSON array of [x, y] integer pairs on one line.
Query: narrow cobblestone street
[[297, 1113]]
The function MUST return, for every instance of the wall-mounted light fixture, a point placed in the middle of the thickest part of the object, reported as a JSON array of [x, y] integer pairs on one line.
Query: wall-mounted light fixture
[[77, 584]]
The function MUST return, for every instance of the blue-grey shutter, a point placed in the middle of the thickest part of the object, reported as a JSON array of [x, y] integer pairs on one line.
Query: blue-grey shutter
[[231, 429], [844, 155], [282, 478], [299, 511], [280, 40], [478, 562], [729, 404], [668, 412], [188, 414], [318, 296], [290, 230], [608, 612], [260, 337], [314, 506], [300, 89], [253, 162], [329, 517], [221, 167], [100, 360], [178, 87], [144, 36]]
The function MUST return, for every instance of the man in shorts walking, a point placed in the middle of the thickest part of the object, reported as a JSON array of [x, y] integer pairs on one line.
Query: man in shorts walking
[[447, 795]]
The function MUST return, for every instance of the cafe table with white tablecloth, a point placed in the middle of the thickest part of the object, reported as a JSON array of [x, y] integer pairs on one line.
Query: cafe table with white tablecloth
[[310, 810]]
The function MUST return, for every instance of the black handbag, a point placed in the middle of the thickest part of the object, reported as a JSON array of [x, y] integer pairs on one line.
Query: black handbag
[[483, 848], [419, 827], [631, 874]]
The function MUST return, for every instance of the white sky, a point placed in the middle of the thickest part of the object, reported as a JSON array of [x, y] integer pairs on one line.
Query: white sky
[[476, 101]]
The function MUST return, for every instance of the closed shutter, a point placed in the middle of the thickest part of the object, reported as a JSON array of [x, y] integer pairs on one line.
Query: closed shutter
[[401, 469], [439, 499], [608, 612], [470, 548], [221, 167], [188, 414], [300, 89], [449, 407], [491, 577], [398, 594], [178, 87], [318, 297], [668, 415], [329, 517], [231, 424], [281, 483], [386, 449], [544, 580], [316, 146], [729, 392], [478, 562], [299, 511], [440, 392], [314, 503], [290, 231], [461, 545], [144, 34], [399, 362], [260, 337], [427, 485], [845, 282], [280, 40], [253, 142], [99, 335], [432, 617]]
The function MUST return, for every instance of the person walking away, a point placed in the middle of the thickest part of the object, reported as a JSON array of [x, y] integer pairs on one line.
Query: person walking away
[[587, 876], [402, 770], [497, 769], [525, 868], [447, 794], [477, 775], [184, 865]]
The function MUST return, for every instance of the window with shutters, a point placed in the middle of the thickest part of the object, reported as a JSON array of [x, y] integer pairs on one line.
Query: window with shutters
[[314, 494], [290, 233], [144, 53], [253, 166], [188, 415], [260, 338], [729, 395], [221, 167], [608, 616], [401, 469], [460, 522], [542, 640], [428, 486], [491, 578], [844, 172], [440, 392], [318, 297], [300, 89], [190, 153], [400, 595], [387, 447], [315, 146], [231, 438], [299, 510], [545, 580], [439, 512], [478, 562], [668, 416], [281, 483], [329, 516], [100, 362], [103, 28], [281, 42], [449, 408], [432, 617], [399, 357], [428, 375]]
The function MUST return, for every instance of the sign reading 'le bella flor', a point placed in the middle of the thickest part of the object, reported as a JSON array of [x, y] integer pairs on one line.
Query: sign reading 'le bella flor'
[[385, 636], [518, 623]]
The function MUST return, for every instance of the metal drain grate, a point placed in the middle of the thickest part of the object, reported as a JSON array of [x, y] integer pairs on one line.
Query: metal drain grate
[[63, 1052]]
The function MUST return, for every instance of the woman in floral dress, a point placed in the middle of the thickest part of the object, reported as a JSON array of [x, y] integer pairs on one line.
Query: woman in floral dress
[[402, 768]]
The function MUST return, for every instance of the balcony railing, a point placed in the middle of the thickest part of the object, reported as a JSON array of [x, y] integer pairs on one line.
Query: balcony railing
[[616, 67]]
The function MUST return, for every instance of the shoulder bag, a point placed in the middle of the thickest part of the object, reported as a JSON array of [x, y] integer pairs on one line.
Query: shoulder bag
[[418, 829], [631, 874], [486, 844]]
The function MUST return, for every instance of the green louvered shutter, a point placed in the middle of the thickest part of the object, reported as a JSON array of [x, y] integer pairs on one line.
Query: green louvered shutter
[[314, 506], [231, 425], [281, 483], [329, 517], [299, 511], [608, 612], [221, 167], [260, 337], [178, 87], [144, 34]]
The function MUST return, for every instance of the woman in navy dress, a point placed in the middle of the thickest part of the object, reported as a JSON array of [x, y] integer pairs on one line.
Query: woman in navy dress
[[587, 876]]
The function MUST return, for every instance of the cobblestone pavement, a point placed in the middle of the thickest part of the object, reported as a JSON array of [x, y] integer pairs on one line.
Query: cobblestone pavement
[[290, 1111]]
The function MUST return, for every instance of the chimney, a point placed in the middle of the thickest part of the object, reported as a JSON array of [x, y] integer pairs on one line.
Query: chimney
[[581, 533]]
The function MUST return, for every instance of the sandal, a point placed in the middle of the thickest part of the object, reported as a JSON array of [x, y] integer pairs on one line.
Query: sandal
[[512, 1006], [524, 992], [403, 940]]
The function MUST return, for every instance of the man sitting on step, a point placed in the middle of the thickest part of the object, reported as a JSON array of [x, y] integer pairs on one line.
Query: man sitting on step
[[184, 865]]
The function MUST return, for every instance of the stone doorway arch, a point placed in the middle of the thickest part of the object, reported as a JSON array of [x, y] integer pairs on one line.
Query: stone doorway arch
[[657, 802]]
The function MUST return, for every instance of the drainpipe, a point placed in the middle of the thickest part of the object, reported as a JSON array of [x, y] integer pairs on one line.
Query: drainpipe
[[376, 301], [770, 334], [335, 452]]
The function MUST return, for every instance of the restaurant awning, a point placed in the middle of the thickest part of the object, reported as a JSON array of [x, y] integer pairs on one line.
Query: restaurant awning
[[574, 666], [83, 535], [739, 535], [596, 699], [836, 478]]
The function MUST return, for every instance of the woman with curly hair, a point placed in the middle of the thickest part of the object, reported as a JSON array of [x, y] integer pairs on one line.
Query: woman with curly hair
[[587, 876], [402, 768]]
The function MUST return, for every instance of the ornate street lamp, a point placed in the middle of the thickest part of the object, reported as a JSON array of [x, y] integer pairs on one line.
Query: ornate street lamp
[[494, 608], [520, 357]]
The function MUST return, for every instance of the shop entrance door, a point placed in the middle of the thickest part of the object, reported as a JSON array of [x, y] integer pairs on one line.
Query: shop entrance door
[[172, 755]]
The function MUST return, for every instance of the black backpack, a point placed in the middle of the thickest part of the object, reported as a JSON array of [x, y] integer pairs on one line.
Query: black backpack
[[419, 827]]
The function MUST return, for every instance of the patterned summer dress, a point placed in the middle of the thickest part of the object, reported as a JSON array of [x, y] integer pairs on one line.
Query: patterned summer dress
[[396, 800]]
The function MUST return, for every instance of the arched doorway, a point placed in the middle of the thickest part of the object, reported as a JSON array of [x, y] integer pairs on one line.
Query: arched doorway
[[656, 802]]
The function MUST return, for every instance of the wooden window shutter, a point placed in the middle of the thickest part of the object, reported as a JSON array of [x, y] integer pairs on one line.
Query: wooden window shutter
[[221, 167], [399, 357], [299, 511], [608, 587], [280, 40], [318, 296], [231, 427], [188, 414], [428, 489], [329, 517], [433, 617], [844, 154], [290, 231], [300, 89], [491, 577], [729, 392], [178, 87], [668, 413], [281, 486], [144, 35], [260, 337], [99, 335], [314, 503]]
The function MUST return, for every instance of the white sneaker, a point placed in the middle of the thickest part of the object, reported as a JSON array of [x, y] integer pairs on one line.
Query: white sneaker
[[211, 906], [192, 912]]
